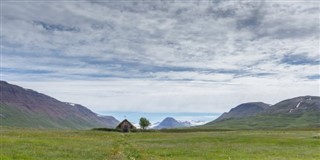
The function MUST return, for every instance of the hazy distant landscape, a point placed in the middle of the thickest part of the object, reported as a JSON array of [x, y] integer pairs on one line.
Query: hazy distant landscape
[[159, 79]]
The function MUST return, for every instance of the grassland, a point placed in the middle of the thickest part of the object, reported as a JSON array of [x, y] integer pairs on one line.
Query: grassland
[[35, 144]]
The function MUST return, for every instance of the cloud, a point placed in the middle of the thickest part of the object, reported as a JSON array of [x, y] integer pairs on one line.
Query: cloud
[[213, 42], [56, 27], [254, 16]]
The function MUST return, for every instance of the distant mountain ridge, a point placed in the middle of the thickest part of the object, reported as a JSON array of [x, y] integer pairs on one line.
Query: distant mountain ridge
[[170, 122], [296, 105], [27, 108], [188, 123], [244, 110], [296, 112]]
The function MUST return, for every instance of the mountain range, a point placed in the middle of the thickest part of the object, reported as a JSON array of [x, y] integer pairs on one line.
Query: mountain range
[[22, 107], [299, 112]]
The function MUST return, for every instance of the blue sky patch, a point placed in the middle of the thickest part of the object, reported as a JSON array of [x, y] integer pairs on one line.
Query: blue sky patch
[[299, 59]]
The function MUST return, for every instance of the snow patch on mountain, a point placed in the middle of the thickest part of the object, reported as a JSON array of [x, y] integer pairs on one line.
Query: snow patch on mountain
[[154, 125], [72, 104], [198, 122], [298, 104]]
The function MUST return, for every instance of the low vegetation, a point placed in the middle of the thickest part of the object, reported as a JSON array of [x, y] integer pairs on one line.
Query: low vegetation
[[18, 143]]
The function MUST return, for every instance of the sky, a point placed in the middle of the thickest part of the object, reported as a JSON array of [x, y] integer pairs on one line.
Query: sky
[[168, 56]]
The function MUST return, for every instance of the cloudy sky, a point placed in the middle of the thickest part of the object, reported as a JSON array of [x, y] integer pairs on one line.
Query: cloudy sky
[[162, 56]]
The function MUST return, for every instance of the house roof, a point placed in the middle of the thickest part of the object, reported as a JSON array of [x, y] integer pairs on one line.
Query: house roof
[[125, 120]]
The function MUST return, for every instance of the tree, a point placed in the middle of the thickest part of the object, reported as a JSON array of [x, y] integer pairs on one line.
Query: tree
[[144, 122]]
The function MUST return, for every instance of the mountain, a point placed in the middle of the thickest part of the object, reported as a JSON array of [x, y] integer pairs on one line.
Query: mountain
[[184, 123], [298, 105], [298, 112], [244, 110], [170, 122], [27, 108]]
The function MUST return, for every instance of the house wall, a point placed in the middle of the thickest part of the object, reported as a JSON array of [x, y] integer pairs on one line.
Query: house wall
[[125, 124]]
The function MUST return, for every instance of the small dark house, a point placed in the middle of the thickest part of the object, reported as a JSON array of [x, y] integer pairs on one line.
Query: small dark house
[[125, 126]]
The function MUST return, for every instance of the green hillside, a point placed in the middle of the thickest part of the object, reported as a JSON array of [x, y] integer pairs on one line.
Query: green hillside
[[20, 107], [298, 112], [279, 121], [11, 116]]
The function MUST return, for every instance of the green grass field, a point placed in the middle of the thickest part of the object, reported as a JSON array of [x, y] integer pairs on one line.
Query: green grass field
[[54, 144]]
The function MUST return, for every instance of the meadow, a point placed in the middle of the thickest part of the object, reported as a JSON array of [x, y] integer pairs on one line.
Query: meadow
[[41, 144]]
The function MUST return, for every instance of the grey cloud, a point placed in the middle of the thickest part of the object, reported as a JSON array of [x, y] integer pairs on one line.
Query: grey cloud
[[295, 24], [291, 32], [56, 27], [254, 18], [134, 38], [221, 13]]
